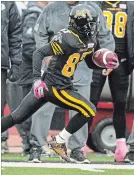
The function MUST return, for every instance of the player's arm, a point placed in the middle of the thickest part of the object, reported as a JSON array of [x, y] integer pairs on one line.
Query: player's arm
[[89, 61], [39, 86], [102, 59], [38, 56], [52, 48]]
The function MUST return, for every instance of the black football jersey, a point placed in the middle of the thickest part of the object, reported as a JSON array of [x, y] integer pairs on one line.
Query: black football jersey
[[68, 50], [116, 16]]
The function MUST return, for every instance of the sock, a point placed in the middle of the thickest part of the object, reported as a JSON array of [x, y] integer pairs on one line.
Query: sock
[[6, 123], [121, 139], [63, 136], [121, 142]]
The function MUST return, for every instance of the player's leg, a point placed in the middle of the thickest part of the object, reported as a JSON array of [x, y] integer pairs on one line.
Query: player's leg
[[29, 105], [97, 84], [119, 81], [71, 100], [77, 141]]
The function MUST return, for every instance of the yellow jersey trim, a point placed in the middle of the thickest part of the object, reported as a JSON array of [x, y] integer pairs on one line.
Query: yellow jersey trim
[[76, 36], [110, 3]]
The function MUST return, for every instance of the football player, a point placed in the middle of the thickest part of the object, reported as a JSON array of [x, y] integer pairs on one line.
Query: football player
[[119, 15], [68, 47]]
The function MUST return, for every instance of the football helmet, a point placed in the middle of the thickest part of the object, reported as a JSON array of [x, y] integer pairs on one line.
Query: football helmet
[[84, 19]]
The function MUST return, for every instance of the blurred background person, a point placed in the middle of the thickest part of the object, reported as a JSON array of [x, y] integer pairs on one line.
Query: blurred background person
[[29, 18], [54, 18], [10, 52], [21, 5], [119, 16], [130, 155], [14, 91]]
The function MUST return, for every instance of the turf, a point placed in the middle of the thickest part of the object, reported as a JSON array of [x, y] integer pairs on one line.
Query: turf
[[48, 171], [52, 171], [92, 157]]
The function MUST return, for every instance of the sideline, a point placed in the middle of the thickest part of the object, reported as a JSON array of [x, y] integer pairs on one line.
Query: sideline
[[68, 165]]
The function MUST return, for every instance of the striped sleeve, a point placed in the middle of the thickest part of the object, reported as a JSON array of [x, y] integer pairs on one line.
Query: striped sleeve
[[56, 48]]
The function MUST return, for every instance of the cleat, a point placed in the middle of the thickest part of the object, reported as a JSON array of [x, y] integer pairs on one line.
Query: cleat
[[130, 157], [121, 151], [60, 149], [77, 156], [4, 147], [46, 151], [35, 154], [34, 161]]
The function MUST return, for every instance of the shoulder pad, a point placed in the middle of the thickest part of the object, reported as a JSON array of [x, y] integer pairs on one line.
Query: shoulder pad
[[58, 38], [71, 39]]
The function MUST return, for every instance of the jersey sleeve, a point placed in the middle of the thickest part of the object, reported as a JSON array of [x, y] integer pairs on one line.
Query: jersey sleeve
[[66, 42], [38, 56], [60, 45], [73, 40], [55, 47]]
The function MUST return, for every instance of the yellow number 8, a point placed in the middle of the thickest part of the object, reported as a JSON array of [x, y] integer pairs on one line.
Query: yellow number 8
[[120, 22], [69, 68]]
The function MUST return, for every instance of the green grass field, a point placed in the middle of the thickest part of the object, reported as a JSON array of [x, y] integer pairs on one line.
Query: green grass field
[[92, 157], [48, 171], [12, 169]]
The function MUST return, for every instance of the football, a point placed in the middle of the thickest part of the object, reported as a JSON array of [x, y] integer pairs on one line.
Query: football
[[105, 58]]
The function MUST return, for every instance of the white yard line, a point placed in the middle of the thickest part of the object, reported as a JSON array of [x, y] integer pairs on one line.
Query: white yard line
[[67, 165]]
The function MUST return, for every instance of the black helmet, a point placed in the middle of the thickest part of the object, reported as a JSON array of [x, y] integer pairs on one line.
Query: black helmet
[[84, 19]]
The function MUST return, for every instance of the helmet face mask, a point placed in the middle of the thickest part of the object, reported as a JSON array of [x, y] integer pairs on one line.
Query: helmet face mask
[[83, 20]]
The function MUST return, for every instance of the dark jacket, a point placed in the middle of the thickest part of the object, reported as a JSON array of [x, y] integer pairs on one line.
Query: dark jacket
[[130, 31], [29, 18], [10, 34]]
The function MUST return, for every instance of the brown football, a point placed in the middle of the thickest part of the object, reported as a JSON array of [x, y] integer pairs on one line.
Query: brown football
[[104, 57]]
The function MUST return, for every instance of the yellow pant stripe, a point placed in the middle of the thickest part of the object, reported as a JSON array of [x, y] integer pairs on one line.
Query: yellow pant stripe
[[78, 102], [68, 103]]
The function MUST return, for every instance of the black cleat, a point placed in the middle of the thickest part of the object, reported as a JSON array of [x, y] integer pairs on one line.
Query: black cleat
[[35, 154], [77, 156], [130, 157]]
